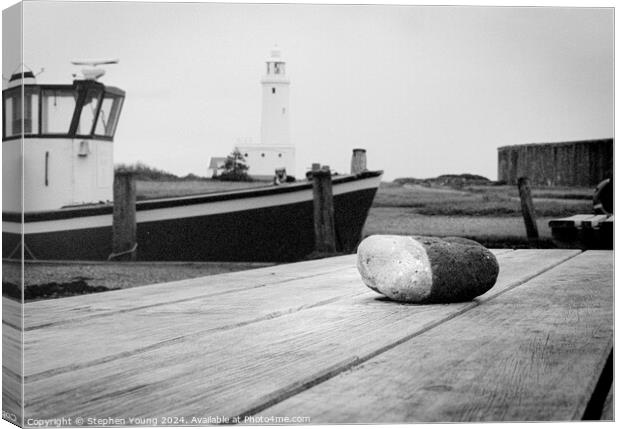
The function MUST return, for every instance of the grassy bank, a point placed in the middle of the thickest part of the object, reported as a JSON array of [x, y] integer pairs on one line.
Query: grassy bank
[[488, 214], [490, 201]]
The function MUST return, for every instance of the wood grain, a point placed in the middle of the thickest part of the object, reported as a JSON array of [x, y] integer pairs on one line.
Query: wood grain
[[105, 338], [11, 369], [533, 353], [12, 312], [71, 310], [236, 371]]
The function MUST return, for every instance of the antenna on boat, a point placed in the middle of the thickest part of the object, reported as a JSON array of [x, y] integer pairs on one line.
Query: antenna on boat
[[93, 73]]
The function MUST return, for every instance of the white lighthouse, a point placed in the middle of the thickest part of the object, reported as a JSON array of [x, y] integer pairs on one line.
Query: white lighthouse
[[275, 150]]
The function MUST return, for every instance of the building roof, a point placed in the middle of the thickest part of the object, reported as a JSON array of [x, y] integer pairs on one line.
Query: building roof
[[217, 162]]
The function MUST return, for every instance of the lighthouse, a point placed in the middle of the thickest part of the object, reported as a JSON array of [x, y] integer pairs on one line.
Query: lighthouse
[[275, 151]]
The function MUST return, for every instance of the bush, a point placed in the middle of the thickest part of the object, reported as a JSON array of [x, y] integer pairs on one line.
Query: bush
[[145, 172], [148, 173], [234, 176], [235, 168]]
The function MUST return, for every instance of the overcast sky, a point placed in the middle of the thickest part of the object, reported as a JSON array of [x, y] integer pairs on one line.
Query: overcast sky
[[426, 90]]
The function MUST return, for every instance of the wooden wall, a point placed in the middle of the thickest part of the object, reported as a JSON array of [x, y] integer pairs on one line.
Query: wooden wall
[[579, 163]]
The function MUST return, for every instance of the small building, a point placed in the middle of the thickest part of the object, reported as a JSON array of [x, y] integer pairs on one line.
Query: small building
[[216, 166]]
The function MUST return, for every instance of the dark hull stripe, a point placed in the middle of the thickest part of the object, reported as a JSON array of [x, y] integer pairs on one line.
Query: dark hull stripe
[[278, 233]]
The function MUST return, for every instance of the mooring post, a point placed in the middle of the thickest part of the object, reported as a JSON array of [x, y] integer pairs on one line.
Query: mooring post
[[124, 217], [527, 208], [358, 161], [324, 225]]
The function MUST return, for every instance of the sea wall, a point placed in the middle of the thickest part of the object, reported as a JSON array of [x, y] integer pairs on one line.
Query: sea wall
[[578, 163]]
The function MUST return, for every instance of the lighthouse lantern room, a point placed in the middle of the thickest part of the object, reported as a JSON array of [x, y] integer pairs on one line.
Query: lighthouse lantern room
[[64, 136]]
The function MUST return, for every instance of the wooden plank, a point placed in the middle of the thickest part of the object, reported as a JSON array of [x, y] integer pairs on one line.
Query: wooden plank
[[594, 221], [12, 312], [568, 222], [73, 309], [106, 338], [11, 371], [534, 353], [12, 359], [236, 371], [11, 396], [70, 310]]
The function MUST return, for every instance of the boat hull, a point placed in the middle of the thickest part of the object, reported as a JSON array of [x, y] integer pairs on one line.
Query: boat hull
[[273, 224]]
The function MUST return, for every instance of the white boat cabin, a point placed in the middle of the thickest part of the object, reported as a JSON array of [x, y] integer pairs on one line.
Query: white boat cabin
[[62, 137]]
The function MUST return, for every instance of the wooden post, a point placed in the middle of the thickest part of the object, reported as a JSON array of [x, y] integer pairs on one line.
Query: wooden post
[[124, 217], [324, 225], [527, 208], [358, 161]]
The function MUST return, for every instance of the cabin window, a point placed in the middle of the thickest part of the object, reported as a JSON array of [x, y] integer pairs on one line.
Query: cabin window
[[89, 112], [57, 110], [16, 114], [83, 109], [108, 115]]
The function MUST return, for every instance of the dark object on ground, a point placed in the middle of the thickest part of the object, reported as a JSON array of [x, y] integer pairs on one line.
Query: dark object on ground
[[51, 290], [584, 231], [603, 201], [426, 269]]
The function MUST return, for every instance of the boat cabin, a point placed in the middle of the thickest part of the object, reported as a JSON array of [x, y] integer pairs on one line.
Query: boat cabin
[[67, 133]]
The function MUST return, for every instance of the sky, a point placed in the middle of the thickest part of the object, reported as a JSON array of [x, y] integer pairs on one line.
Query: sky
[[425, 90]]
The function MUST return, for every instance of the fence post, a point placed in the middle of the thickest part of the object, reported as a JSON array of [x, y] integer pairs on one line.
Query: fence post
[[527, 208], [324, 225], [358, 161], [124, 217]]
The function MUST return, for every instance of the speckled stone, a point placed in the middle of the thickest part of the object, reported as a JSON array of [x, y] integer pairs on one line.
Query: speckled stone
[[426, 269]]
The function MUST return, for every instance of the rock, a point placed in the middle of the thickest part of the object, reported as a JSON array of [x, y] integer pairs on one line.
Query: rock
[[426, 269]]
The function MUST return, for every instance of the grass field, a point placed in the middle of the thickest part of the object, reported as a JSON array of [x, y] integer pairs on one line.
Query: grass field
[[481, 200], [488, 214]]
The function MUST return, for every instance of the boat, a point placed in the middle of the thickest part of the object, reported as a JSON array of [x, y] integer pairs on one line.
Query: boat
[[63, 136]]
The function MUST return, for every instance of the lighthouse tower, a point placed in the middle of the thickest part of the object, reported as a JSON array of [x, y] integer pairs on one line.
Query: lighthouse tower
[[275, 129], [275, 150]]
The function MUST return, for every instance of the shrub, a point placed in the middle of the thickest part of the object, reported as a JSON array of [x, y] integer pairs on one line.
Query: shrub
[[235, 168]]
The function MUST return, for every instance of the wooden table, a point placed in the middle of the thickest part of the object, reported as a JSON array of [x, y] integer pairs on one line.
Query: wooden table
[[310, 341]]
